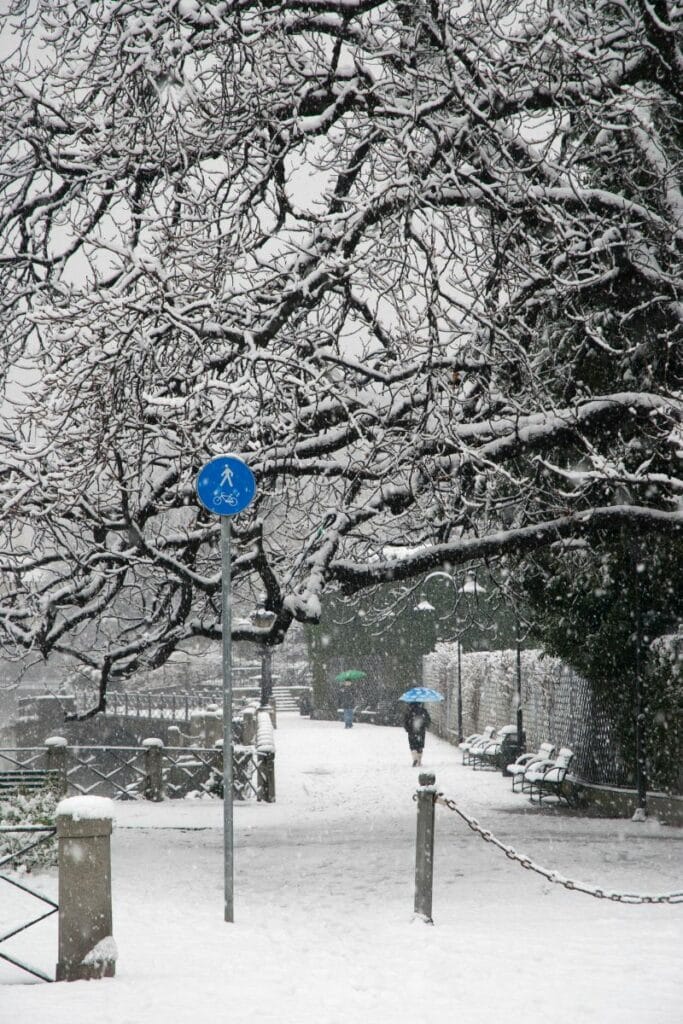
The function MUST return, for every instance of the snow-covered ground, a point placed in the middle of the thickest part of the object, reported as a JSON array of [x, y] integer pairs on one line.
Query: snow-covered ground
[[323, 906]]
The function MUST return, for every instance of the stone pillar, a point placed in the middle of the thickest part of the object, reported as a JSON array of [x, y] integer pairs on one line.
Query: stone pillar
[[56, 761], [196, 724], [424, 847], [86, 947], [248, 727], [266, 777], [174, 736], [154, 780]]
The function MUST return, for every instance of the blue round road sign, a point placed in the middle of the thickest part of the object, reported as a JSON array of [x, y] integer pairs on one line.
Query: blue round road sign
[[226, 485]]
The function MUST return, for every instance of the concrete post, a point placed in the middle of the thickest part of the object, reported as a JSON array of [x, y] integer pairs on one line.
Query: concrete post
[[56, 761], [424, 847], [154, 779], [86, 948]]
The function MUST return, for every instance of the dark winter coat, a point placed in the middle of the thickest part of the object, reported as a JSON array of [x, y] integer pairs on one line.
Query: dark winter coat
[[415, 723], [348, 698]]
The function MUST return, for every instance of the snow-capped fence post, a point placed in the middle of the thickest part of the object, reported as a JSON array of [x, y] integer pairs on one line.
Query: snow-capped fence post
[[56, 761], [213, 725], [265, 752], [424, 847], [267, 777], [154, 779], [173, 736], [86, 947], [248, 727], [196, 726]]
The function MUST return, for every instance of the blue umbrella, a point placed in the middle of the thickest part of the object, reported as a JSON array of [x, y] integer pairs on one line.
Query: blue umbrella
[[420, 694]]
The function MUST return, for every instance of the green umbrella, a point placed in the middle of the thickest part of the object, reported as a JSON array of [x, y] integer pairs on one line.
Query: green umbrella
[[351, 675]]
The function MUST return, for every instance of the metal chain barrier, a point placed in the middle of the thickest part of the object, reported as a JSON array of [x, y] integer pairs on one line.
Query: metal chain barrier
[[553, 876]]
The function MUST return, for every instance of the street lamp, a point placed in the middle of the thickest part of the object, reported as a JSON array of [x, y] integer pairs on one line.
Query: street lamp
[[469, 588], [263, 620]]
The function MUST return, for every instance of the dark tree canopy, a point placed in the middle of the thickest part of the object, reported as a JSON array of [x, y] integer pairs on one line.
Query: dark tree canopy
[[419, 264]]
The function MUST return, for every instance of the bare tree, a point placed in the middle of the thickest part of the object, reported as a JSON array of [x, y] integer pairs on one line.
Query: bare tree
[[418, 263]]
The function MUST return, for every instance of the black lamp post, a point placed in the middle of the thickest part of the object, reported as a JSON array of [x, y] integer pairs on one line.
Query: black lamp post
[[263, 620], [521, 744], [469, 588], [641, 774]]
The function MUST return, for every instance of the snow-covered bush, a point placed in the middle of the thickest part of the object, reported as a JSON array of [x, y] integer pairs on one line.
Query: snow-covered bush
[[25, 809]]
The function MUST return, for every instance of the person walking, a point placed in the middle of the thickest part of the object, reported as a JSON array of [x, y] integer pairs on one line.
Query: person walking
[[415, 723], [348, 703]]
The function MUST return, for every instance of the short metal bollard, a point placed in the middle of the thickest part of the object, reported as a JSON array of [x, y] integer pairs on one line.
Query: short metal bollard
[[86, 948], [424, 847]]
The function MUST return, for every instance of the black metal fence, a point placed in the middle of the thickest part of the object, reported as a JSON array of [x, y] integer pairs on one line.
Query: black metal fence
[[557, 705]]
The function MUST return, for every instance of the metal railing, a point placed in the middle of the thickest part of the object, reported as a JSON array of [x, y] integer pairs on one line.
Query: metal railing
[[14, 856], [172, 707], [121, 773]]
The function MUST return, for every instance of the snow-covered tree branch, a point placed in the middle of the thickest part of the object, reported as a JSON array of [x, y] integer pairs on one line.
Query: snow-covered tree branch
[[419, 264]]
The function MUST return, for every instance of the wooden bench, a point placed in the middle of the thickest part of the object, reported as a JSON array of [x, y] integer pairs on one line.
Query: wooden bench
[[27, 780], [549, 778]]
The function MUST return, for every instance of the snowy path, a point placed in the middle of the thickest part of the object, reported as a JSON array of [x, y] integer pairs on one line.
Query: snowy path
[[323, 900]]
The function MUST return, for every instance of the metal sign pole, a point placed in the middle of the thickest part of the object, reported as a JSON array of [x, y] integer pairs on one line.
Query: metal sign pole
[[226, 628], [226, 486]]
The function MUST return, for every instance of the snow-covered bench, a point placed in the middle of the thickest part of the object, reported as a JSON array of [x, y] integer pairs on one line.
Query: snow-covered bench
[[549, 778], [473, 743], [360, 714], [546, 752], [494, 753]]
